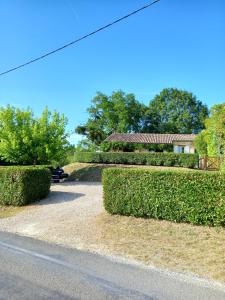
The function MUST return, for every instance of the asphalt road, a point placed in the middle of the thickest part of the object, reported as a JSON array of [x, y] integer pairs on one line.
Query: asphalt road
[[31, 269]]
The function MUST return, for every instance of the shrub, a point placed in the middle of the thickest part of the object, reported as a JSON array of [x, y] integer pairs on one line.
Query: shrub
[[22, 185], [196, 197], [108, 146], [146, 158], [117, 146]]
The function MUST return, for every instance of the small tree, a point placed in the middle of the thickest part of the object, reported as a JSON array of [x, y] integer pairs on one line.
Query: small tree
[[211, 141], [201, 143], [215, 131], [25, 139]]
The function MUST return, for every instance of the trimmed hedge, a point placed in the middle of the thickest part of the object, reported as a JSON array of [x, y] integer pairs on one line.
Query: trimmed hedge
[[22, 185], [195, 197], [146, 158]]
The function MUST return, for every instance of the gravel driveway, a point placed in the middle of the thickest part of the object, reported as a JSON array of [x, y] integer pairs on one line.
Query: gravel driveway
[[66, 217], [73, 216]]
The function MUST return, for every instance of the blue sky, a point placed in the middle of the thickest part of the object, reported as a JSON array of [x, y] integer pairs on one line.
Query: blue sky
[[172, 44]]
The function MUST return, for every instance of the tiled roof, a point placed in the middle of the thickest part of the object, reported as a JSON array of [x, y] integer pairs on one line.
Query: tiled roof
[[150, 138]]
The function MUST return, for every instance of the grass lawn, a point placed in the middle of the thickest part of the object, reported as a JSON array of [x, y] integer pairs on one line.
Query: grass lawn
[[93, 172], [178, 247], [9, 211]]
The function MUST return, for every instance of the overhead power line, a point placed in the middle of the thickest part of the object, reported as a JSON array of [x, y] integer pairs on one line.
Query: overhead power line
[[79, 39]]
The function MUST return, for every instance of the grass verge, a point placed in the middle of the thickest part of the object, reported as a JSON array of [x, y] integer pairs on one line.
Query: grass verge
[[178, 247], [93, 172], [9, 211]]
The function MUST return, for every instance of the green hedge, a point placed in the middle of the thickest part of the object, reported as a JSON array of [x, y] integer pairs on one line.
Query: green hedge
[[195, 197], [146, 158], [22, 185]]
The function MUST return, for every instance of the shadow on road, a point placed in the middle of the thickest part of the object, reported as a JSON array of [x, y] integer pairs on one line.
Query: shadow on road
[[59, 197]]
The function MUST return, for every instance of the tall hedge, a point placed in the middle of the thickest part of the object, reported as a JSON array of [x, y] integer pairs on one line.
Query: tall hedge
[[146, 158], [195, 197], [22, 185]]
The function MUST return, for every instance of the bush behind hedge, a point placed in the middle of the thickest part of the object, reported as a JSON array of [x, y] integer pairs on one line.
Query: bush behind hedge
[[113, 146], [22, 185], [195, 197], [146, 158]]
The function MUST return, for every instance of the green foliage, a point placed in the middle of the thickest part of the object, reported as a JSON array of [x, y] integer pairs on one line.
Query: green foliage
[[172, 111], [131, 158], [130, 147], [86, 146], [118, 146], [195, 197], [211, 141], [215, 131], [175, 111], [22, 185], [119, 112], [223, 168], [65, 159], [28, 140], [201, 144]]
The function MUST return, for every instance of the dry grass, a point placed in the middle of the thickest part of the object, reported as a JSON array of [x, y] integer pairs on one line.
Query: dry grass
[[9, 211], [179, 247], [93, 172]]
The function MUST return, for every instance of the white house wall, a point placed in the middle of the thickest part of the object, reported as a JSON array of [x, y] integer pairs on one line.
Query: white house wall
[[188, 147]]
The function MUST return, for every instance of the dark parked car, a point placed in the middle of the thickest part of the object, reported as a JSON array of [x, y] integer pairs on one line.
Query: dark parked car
[[58, 174]]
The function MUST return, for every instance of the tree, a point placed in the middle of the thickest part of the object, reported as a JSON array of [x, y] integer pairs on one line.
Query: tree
[[86, 145], [175, 111], [172, 111], [214, 134], [119, 112], [25, 139]]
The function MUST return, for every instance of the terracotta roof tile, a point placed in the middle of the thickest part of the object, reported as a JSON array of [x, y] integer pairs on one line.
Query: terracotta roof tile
[[150, 138]]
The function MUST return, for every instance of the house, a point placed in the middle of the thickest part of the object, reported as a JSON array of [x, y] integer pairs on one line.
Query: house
[[182, 143]]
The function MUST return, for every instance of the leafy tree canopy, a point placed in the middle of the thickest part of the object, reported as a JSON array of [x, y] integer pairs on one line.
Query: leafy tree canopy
[[172, 111], [119, 112], [175, 111], [25, 139]]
